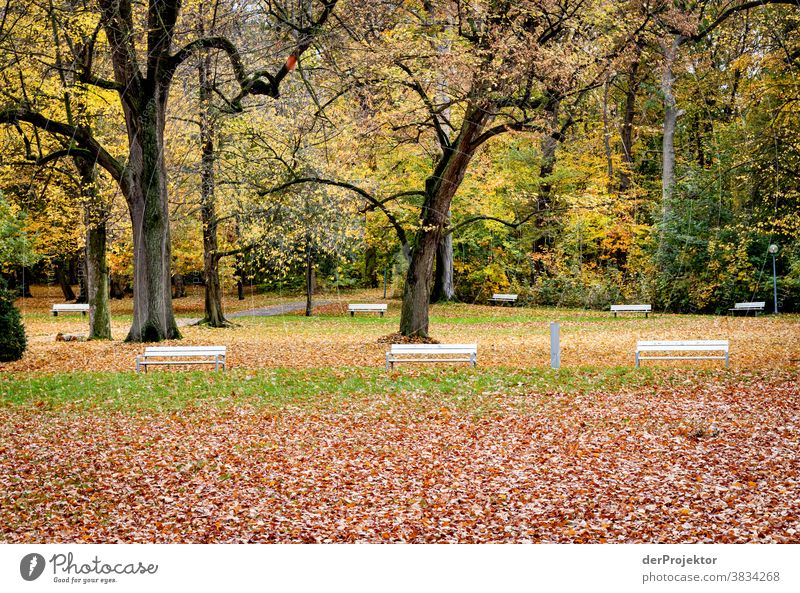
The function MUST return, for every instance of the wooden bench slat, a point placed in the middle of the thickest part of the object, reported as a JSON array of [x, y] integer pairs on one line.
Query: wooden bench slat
[[167, 350], [642, 308], [82, 308], [470, 352], [503, 298], [367, 308], [682, 346], [182, 355], [755, 306]]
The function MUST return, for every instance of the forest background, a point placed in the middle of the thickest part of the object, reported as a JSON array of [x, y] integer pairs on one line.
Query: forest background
[[577, 153]]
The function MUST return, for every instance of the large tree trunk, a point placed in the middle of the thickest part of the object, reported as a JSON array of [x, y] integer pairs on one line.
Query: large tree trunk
[[671, 115], [626, 133], [607, 139], [97, 277], [443, 287], [214, 315], [146, 193], [97, 282], [544, 196], [439, 191], [63, 281], [310, 282]]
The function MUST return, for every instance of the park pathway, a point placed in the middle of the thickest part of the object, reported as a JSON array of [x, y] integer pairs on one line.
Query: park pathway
[[268, 311]]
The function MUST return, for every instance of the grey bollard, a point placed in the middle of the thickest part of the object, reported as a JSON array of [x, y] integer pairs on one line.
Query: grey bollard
[[555, 345]]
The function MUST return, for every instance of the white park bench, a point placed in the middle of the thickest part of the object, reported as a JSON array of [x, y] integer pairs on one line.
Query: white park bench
[[675, 347], [83, 309], [503, 298], [367, 308], [631, 309], [182, 355], [432, 353], [756, 307]]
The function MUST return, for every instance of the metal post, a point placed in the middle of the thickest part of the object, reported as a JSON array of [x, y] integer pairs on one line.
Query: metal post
[[555, 345], [774, 284]]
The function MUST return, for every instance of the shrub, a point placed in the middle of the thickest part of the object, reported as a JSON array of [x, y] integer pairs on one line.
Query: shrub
[[12, 333]]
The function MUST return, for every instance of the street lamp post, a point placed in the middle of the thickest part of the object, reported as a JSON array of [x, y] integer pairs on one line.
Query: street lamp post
[[773, 249]]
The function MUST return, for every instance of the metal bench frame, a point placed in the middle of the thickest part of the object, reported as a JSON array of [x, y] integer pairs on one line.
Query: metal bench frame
[[682, 346], [469, 353], [184, 354]]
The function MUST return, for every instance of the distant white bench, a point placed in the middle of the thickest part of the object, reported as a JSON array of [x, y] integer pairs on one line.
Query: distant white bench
[[631, 309], [756, 307], [82, 308], [678, 346], [367, 308], [432, 353], [503, 298], [182, 355]]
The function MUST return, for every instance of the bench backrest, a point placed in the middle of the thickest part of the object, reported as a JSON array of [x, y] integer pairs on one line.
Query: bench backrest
[[753, 305], [185, 351], [367, 307], [678, 345], [71, 307], [511, 297], [631, 307], [434, 348]]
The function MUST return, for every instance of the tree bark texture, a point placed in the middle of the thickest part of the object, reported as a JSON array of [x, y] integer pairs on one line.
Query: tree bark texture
[[63, 281], [439, 191], [548, 147], [443, 286], [671, 115], [144, 101], [310, 282], [213, 313], [97, 273], [626, 134], [153, 316]]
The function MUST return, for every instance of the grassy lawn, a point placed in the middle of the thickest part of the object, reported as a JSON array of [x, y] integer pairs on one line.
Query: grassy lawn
[[307, 438]]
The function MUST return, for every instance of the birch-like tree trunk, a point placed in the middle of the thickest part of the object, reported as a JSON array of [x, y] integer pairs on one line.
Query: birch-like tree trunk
[[671, 115]]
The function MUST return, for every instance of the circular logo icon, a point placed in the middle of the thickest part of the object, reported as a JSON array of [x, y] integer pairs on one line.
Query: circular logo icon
[[31, 566]]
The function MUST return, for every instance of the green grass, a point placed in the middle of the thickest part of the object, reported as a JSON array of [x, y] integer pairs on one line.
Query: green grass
[[463, 388]]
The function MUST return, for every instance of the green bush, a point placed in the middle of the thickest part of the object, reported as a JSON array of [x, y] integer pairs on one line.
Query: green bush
[[12, 333]]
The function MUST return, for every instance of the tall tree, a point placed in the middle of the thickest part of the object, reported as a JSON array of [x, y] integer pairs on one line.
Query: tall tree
[[510, 64], [142, 77]]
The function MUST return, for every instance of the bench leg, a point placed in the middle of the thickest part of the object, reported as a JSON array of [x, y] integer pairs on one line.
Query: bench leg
[[55, 313], [352, 313], [381, 313], [637, 359], [138, 366], [388, 363], [615, 314], [726, 360], [473, 359]]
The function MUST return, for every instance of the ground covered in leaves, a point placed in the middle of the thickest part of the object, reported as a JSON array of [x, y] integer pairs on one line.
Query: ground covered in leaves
[[671, 456], [517, 337], [306, 438]]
